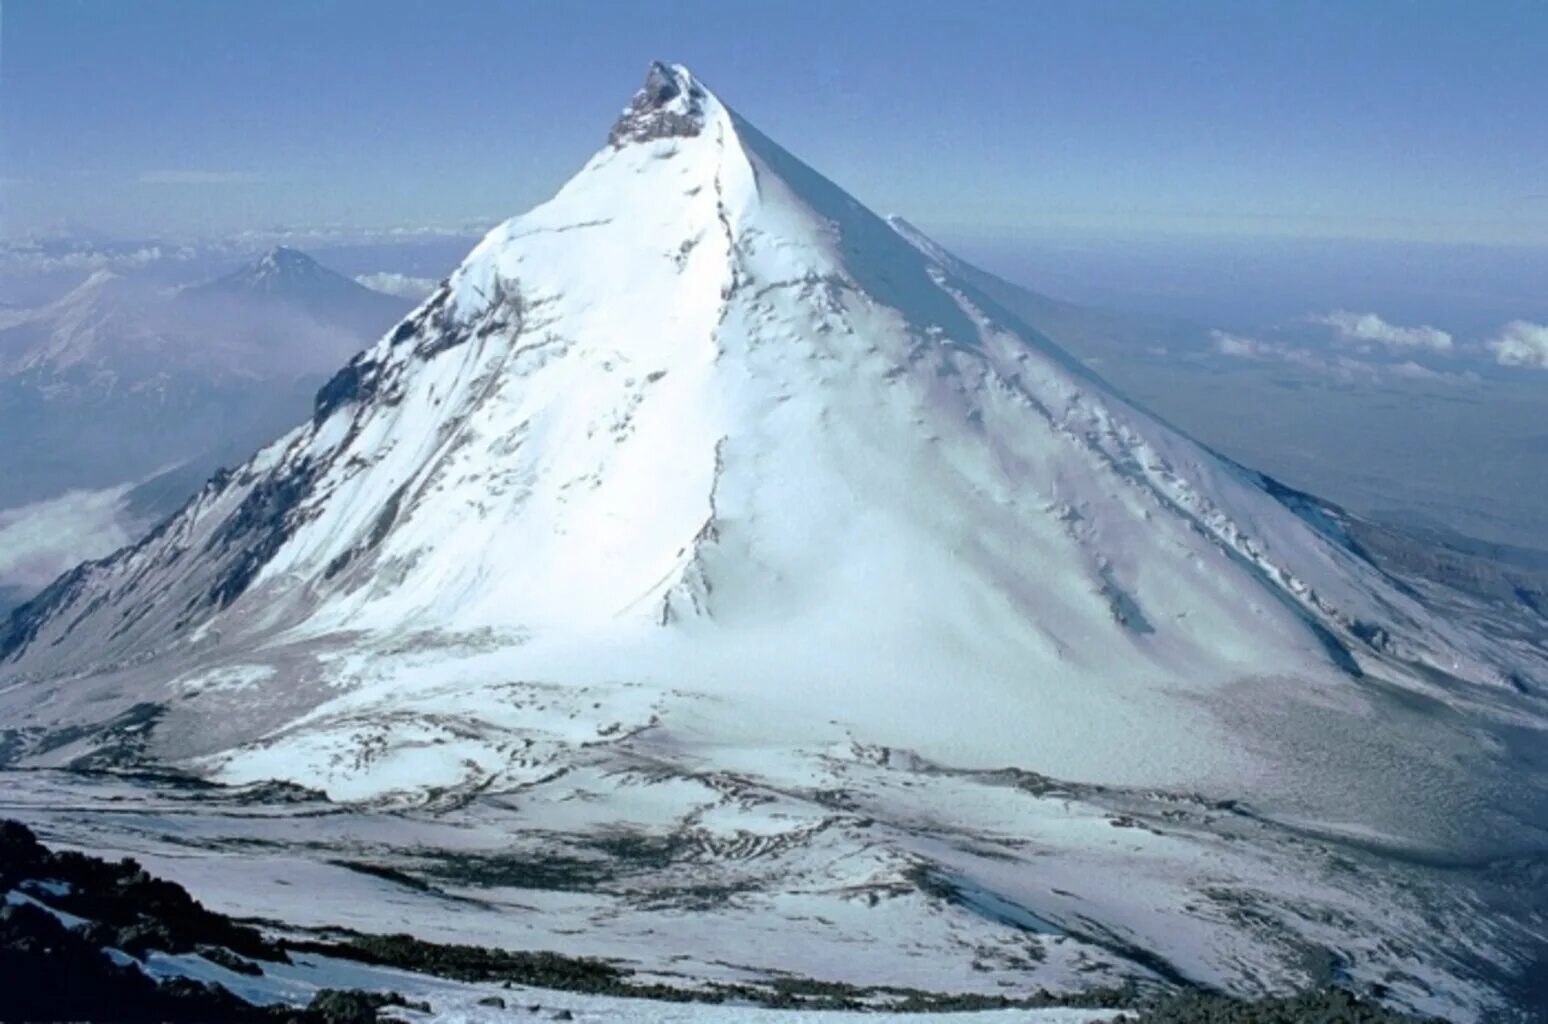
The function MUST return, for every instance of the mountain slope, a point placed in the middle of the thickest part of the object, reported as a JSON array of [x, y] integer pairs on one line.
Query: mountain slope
[[71, 331], [702, 469]]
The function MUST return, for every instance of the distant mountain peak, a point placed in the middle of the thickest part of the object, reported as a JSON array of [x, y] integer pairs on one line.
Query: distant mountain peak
[[282, 263], [283, 257], [294, 278]]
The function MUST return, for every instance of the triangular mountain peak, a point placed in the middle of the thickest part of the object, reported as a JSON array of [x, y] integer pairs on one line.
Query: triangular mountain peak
[[705, 384], [704, 388], [671, 103]]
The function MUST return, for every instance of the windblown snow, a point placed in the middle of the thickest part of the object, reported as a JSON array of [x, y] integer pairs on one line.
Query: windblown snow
[[700, 494]]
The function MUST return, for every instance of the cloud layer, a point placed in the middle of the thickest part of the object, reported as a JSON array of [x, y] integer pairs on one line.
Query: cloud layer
[[1343, 367], [1368, 329], [1243, 347], [1240, 346], [42, 540]]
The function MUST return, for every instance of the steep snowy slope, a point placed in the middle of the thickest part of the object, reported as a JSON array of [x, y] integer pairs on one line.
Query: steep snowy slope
[[702, 464]]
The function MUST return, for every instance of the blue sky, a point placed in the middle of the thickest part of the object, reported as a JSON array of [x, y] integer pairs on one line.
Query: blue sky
[[1392, 120]]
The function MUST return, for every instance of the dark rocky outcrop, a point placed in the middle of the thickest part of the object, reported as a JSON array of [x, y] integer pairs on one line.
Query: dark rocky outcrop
[[260, 526], [669, 104], [127, 907], [21, 626], [1332, 1006], [353, 1006], [342, 388], [52, 973]]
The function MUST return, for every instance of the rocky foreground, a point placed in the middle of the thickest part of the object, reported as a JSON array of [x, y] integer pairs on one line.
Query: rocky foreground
[[87, 939]]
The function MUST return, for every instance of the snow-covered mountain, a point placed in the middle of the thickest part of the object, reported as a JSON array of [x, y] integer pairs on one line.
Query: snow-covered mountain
[[703, 497], [291, 278], [284, 315], [104, 317], [118, 380], [120, 350]]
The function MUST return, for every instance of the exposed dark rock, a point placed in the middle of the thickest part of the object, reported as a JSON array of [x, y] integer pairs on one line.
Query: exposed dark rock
[[386, 517], [230, 961], [51, 973], [404, 331], [277, 792], [478, 963], [441, 333], [667, 105], [121, 739], [259, 528], [344, 1007], [1332, 1006], [386, 873], [21, 626], [342, 388], [354, 1006], [1374, 636], [128, 909], [554, 872]]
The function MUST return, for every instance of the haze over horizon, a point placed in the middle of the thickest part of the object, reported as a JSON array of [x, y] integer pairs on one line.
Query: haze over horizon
[[1361, 120]]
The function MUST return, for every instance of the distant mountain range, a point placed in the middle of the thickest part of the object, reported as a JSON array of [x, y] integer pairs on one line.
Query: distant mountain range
[[120, 380]]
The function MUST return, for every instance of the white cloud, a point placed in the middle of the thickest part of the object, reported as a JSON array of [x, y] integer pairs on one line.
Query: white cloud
[[1368, 329], [1521, 343], [1342, 367], [31, 259], [1239, 346], [400, 285], [1413, 371], [198, 178], [42, 540]]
